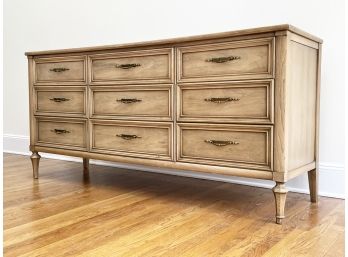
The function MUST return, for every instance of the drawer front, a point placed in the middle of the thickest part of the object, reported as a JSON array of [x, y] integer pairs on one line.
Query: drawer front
[[236, 146], [152, 102], [60, 70], [60, 101], [226, 61], [250, 101], [133, 139], [147, 66], [62, 133]]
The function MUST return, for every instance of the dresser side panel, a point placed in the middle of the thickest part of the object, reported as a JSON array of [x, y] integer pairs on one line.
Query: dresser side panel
[[302, 101]]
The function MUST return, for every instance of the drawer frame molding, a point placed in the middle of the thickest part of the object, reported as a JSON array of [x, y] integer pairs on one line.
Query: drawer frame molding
[[38, 89], [63, 121], [269, 42], [267, 119], [60, 59], [169, 78], [133, 124], [138, 88], [266, 129]]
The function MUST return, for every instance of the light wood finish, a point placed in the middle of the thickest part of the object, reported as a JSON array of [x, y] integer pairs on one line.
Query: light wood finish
[[183, 166], [304, 41], [280, 192], [138, 103], [135, 139], [238, 146], [60, 69], [250, 102], [35, 159], [246, 103], [313, 175], [150, 66], [254, 59], [146, 214], [65, 101], [285, 176], [61, 132], [280, 125], [301, 94]]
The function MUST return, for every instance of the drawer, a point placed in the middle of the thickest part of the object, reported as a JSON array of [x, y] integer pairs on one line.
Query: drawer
[[62, 133], [133, 139], [143, 103], [249, 59], [226, 145], [147, 66], [60, 101], [60, 70], [250, 101]]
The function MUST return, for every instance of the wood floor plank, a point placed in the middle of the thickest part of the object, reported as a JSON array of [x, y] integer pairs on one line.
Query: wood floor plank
[[146, 222], [115, 212], [307, 243], [166, 233], [338, 246], [75, 215]]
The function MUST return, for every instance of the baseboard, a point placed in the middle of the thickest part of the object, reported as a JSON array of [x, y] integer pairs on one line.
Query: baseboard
[[331, 182]]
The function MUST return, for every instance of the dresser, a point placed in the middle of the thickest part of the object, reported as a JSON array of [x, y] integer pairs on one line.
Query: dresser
[[242, 103]]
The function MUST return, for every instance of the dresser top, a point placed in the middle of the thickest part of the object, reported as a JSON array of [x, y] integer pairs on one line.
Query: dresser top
[[221, 35]]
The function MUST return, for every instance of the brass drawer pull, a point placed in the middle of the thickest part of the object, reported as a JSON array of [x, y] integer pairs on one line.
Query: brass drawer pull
[[60, 131], [127, 137], [221, 143], [128, 100], [127, 65], [59, 69], [223, 59], [221, 99], [59, 99]]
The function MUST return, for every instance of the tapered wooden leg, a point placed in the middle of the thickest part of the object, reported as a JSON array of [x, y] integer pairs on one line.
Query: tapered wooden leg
[[35, 159], [85, 165], [313, 185], [280, 192]]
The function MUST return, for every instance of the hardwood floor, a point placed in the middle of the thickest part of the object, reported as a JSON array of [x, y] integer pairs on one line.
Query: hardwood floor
[[114, 212]]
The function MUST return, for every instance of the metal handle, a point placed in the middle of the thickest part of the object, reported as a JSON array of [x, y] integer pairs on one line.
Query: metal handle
[[223, 59], [59, 69], [128, 100], [127, 65], [221, 142], [59, 99], [221, 99], [127, 137], [60, 131]]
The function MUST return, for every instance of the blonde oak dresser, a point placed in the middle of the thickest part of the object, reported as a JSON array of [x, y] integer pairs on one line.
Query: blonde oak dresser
[[242, 103]]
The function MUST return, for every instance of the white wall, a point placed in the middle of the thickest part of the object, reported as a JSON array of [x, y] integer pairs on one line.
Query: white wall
[[51, 24]]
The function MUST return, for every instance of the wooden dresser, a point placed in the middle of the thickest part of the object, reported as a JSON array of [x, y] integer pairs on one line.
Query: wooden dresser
[[241, 103]]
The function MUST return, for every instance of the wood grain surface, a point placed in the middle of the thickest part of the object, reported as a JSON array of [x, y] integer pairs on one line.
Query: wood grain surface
[[60, 101], [208, 83], [147, 66], [243, 146], [144, 102], [253, 59], [56, 69], [235, 102], [114, 212]]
